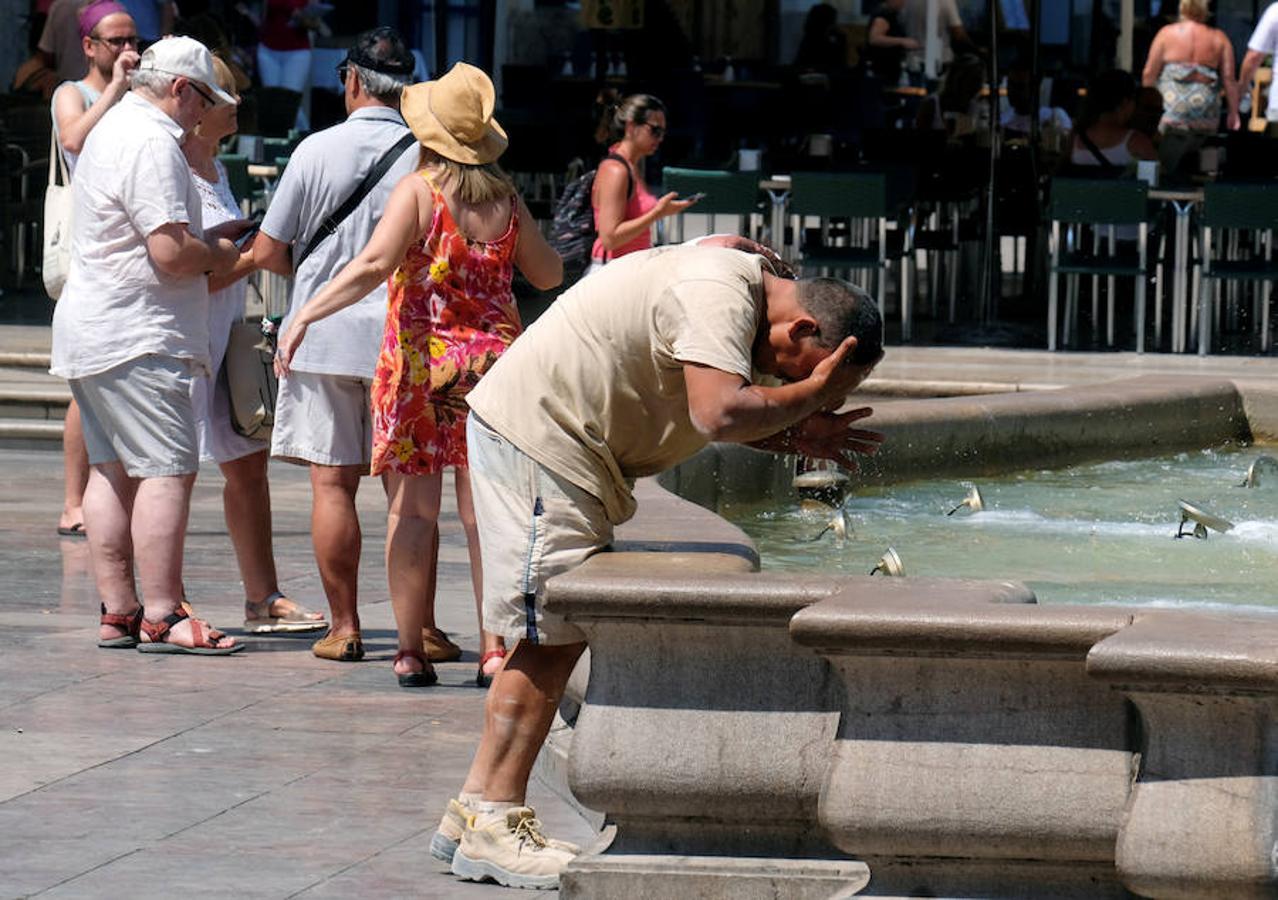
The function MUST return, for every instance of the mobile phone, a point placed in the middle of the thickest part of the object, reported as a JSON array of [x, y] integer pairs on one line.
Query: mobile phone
[[693, 198], [243, 240]]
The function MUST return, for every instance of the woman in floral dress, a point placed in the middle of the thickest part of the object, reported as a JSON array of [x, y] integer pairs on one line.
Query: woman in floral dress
[[451, 236]]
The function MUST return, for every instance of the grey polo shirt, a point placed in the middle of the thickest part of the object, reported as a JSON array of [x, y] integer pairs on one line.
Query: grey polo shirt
[[323, 171]]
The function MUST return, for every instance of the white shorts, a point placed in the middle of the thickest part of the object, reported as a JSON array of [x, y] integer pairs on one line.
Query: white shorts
[[533, 525], [139, 414], [323, 419], [219, 441]]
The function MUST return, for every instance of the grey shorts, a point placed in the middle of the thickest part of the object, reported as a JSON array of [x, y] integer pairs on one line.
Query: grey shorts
[[140, 415], [323, 419], [533, 525]]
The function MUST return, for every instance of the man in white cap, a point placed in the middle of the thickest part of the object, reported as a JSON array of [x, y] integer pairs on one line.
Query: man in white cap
[[129, 331]]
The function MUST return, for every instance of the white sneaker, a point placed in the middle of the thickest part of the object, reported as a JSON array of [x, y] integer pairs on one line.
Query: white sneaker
[[509, 848], [449, 834], [451, 827]]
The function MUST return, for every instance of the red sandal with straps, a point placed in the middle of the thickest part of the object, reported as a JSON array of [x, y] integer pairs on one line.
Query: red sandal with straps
[[485, 678], [203, 637], [131, 625]]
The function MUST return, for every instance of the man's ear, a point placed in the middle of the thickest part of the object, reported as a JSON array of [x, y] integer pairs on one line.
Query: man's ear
[[801, 327]]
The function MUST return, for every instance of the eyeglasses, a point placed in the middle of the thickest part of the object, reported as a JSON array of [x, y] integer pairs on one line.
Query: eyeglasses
[[658, 131], [342, 70], [208, 98], [118, 43]]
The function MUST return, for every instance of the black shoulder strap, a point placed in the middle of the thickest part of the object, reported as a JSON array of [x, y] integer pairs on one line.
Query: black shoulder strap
[[1095, 151], [630, 177], [329, 225]]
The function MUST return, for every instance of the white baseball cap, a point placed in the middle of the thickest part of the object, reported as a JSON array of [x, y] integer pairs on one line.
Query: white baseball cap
[[186, 57]]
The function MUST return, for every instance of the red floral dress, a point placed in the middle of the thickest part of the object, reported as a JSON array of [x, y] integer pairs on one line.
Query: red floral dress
[[450, 314]]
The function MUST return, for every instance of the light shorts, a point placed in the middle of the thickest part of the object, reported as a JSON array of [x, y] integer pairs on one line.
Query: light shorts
[[140, 415], [324, 419], [533, 525]]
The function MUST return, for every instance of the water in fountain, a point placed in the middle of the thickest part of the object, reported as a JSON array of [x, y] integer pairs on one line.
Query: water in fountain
[[1086, 534]]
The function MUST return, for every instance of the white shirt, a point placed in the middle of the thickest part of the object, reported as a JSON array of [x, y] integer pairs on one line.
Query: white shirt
[[323, 171], [1265, 40], [914, 18], [130, 180]]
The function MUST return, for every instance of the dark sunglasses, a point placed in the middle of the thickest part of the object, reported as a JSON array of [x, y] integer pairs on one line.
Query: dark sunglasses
[[342, 69], [208, 98], [658, 131], [118, 43]]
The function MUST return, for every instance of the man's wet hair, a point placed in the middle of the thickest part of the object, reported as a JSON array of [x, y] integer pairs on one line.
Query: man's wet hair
[[841, 310]]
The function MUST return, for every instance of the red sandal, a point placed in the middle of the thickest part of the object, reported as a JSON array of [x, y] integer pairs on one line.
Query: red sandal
[[425, 678], [204, 636], [131, 625], [484, 679]]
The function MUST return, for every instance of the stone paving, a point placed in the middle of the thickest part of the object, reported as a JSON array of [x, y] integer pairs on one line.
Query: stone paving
[[266, 774]]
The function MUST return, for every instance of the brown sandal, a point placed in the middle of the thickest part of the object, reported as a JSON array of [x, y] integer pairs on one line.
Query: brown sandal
[[342, 648], [438, 647], [131, 625], [425, 678], [204, 636]]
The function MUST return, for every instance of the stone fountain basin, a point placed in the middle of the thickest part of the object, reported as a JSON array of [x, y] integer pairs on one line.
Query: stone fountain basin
[[754, 734]]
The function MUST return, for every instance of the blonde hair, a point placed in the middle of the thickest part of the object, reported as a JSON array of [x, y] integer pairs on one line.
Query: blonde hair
[[476, 185], [225, 80], [1198, 10]]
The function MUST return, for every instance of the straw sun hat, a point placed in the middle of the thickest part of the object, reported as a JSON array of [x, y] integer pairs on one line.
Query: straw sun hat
[[453, 116]]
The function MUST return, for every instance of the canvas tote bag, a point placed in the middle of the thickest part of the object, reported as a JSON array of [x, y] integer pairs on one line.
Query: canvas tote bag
[[57, 223], [249, 371]]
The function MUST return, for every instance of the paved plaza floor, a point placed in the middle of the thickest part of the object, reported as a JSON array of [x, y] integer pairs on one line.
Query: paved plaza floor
[[267, 774]]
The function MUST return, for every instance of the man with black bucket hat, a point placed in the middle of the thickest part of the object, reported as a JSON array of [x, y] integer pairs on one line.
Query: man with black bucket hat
[[329, 198]]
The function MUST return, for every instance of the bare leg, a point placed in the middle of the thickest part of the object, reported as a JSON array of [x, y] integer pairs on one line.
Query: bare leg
[[521, 706], [108, 505], [412, 553], [246, 502], [75, 469], [466, 512], [161, 508], [336, 538]]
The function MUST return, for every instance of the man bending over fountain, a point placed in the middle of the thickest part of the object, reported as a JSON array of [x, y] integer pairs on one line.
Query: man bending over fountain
[[632, 371]]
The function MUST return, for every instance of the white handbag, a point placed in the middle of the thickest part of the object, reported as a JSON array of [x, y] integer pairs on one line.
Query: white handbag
[[57, 223]]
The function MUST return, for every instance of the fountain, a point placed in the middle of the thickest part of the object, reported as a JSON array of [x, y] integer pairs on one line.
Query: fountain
[[814, 732]]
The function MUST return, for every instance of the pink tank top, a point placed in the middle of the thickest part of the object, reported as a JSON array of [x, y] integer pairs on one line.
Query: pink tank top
[[639, 202]]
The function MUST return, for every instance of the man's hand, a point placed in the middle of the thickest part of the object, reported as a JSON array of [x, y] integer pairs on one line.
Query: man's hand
[[745, 245], [225, 255], [830, 436], [287, 345], [125, 63], [837, 375]]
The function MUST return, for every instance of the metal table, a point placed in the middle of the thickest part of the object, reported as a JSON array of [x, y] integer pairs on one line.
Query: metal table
[[1182, 201]]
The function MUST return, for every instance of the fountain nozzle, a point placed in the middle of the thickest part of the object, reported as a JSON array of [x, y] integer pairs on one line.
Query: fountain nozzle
[[1253, 471], [889, 564], [827, 486], [1202, 521], [973, 501]]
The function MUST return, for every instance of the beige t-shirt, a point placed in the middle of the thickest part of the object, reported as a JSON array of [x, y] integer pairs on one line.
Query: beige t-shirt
[[594, 390]]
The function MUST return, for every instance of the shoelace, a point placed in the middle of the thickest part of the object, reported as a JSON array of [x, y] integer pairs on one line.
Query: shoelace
[[529, 829]]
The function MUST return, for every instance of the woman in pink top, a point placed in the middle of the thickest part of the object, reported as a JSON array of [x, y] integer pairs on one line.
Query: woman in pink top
[[624, 207]]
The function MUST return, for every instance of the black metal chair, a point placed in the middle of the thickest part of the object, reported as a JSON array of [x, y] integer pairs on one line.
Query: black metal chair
[[1230, 210], [1081, 208], [867, 201], [733, 194]]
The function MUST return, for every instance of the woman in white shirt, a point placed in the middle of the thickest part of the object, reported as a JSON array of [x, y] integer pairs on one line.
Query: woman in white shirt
[[246, 496]]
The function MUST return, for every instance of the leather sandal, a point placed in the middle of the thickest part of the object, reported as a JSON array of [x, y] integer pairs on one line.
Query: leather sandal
[[282, 615], [342, 648], [131, 625], [425, 678], [204, 637], [485, 678], [438, 647]]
